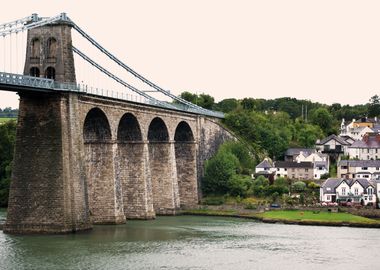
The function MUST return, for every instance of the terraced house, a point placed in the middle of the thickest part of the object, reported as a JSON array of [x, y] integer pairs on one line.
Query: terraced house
[[367, 169]]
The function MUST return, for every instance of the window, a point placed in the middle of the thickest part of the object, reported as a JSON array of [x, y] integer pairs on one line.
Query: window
[[285, 169], [343, 191], [293, 170], [366, 176], [50, 73], [51, 48], [356, 191], [278, 169], [34, 71], [343, 167], [364, 168], [35, 48], [328, 197], [306, 170]]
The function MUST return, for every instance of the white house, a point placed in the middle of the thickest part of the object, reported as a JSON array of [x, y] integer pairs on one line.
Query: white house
[[320, 168], [358, 191], [366, 149], [369, 169]]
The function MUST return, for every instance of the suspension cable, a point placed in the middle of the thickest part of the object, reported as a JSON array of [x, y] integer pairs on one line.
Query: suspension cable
[[130, 70], [117, 79]]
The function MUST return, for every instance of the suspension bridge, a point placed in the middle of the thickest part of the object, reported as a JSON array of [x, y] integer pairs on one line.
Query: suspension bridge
[[97, 142]]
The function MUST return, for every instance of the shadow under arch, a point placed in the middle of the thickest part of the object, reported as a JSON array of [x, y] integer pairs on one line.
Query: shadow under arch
[[186, 165], [132, 169], [163, 169], [104, 193]]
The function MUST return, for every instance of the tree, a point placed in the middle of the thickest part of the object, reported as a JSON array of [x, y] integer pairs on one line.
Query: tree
[[299, 186], [374, 106], [323, 118], [206, 101], [189, 97], [218, 171], [227, 105], [7, 142]]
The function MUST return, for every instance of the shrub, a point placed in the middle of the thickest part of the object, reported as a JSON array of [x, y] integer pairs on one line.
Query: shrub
[[213, 200], [239, 185], [299, 186]]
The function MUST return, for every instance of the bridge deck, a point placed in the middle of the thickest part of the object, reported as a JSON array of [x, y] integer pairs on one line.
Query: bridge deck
[[17, 82]]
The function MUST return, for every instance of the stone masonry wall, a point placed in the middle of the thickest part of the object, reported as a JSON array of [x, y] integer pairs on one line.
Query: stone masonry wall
[[42, 196]]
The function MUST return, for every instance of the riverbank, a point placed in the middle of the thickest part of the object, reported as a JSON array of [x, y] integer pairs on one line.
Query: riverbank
[[297, 217]]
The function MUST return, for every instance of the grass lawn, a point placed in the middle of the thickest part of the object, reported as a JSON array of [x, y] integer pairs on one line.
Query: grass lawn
[[6, 119], [315, 216]]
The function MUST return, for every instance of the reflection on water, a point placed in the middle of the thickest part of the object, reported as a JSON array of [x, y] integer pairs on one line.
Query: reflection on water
[[195, 243]]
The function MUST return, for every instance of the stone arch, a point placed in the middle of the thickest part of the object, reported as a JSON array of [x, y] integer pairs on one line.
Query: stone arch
[[51, 46], [131, 169], [186, 165], [163, 169], [50, 73], [158, 132], [183, 133], [129, 129], [34, 72], [35, 47], [104, 192], [96, 126]]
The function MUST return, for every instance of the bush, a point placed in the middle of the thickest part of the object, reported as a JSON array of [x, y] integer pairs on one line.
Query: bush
[[239, 185], [218, 171], [313, 185], [299, 186], [213, 200]]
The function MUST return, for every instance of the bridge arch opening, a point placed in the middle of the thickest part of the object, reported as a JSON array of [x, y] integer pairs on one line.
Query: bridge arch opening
[[158, 132], [51, 46], [50, 73], [186, 165], [96, 126], [183, 133], [131, 169], [162, 167], [34, 72], [104, 193], [129, 129], [35, 48]]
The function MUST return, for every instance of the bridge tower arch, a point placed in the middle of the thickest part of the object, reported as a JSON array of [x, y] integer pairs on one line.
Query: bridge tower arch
[[132, 169], [186, 163], [163, 168], [104, 191]]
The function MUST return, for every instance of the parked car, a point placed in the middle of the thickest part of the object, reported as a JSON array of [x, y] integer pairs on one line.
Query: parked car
[[275, 205]]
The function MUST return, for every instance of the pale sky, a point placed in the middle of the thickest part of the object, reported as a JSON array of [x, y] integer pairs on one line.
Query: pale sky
[[323, 50]]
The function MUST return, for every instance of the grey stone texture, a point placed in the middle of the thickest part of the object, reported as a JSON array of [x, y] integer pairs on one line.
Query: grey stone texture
[[83, 160]]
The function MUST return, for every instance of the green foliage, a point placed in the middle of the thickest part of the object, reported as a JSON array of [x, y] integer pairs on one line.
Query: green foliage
[[313, 185], [7, 142], [213, 200], [323, 118], [374, 106], [218, 171], [239, 185], [299, 186], [239, 150], [202, 100], [227, 105]]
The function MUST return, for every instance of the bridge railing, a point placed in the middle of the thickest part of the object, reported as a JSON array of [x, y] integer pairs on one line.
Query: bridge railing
[[49, 84], [22, 80]]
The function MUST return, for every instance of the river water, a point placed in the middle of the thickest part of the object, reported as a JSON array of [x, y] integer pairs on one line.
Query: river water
[[190, 242]]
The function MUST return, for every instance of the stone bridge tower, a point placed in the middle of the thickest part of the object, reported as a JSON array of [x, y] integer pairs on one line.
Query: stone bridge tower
[[48, 190]]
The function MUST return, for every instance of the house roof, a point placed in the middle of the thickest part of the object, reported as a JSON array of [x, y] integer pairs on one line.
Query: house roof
[[320, 164], [370, 142], [264, 164], [330, 184], [332, 137], [360, 163], [297, 151], [293, 164], [346, 138]]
